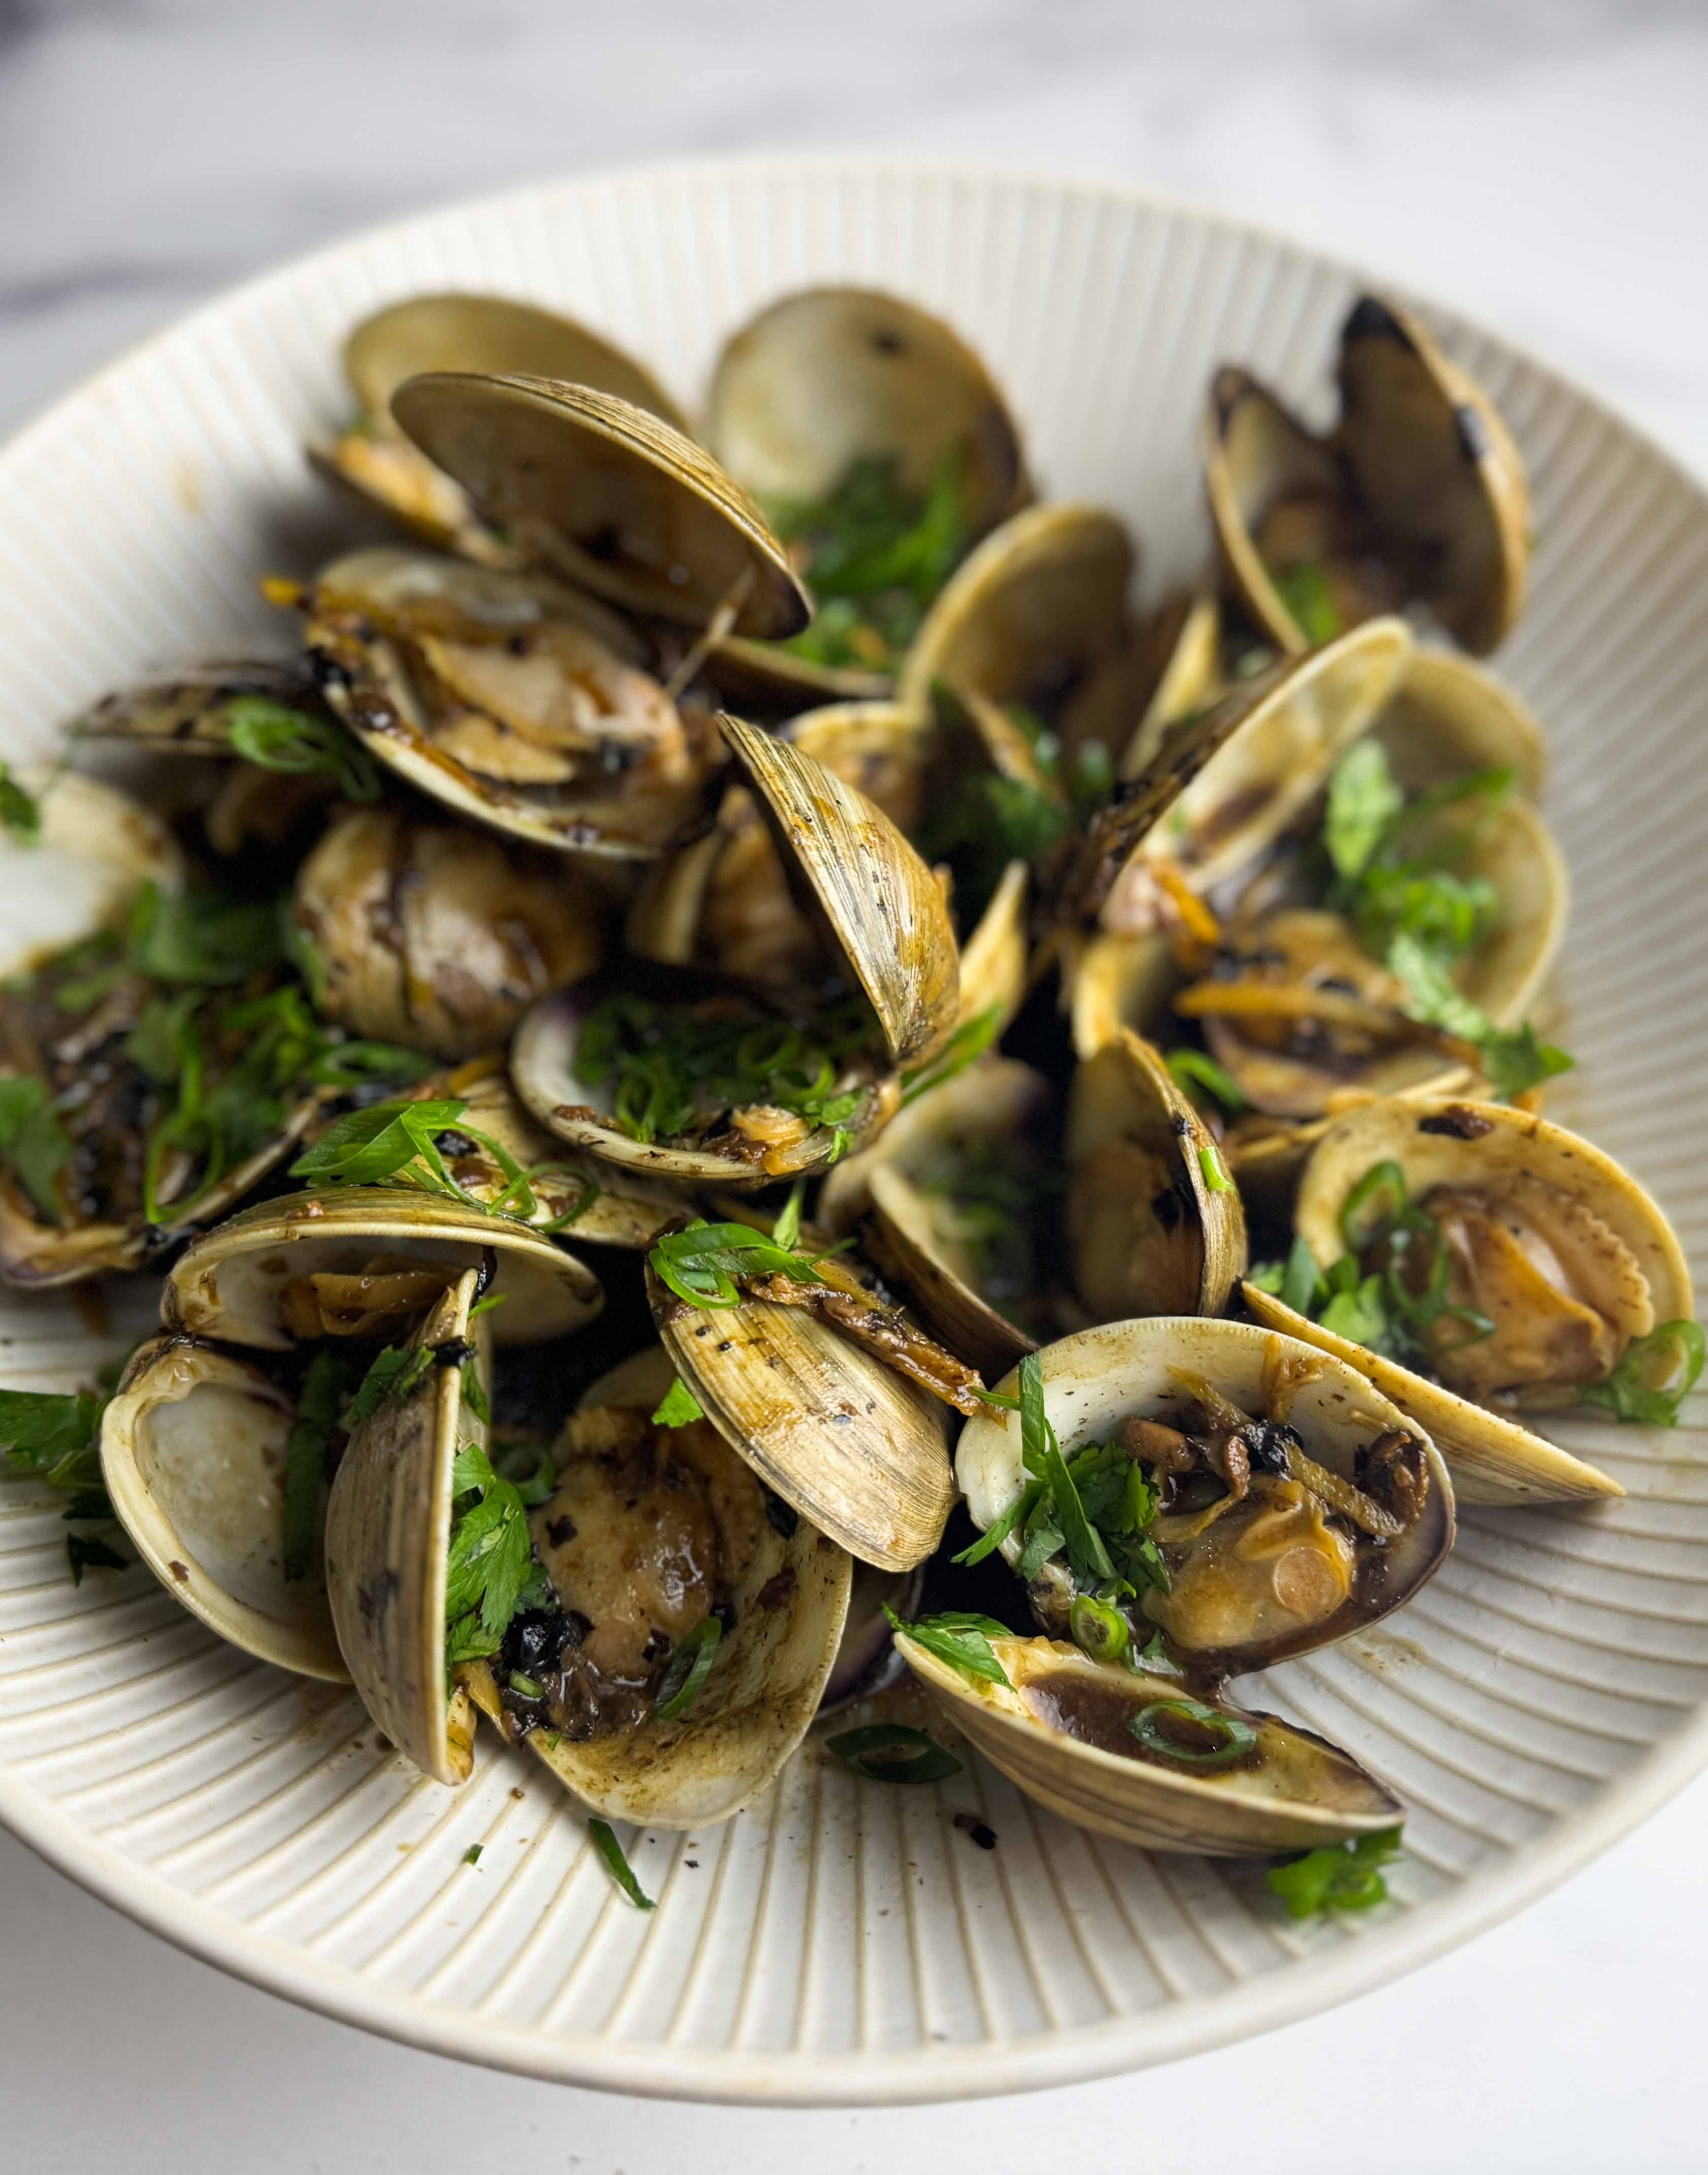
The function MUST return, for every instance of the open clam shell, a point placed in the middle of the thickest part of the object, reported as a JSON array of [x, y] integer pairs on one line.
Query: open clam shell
[[309, 1258], [884, 909], [513, 700], [388, 1545], [1036, 615], [598, 489], [1588, 1230], [1450, 716], [744, 1153], [726, 900], [1154, 1222], [1419, 473], [1292, 720], [436, 936], [831, 378], [859, 1451], [1177, 667], [1059, 1730], [460, 332], [191, 714], [1251, 1596], [95, 849], [193, 1452], [785, 1599]]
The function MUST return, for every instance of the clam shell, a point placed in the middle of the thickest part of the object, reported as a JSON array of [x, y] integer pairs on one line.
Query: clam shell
[[1096, 1379], [229, 1283], [388, 1545], [97, 848], [1301, 1793], [1291, 723], [992, 1099], [1125, 1116], [885, 910], [437, 936], [859, 1451], [1033, 614], [190, 714], [192, 1452], [542, 1068], [790, 1602], [607, 493], [1451, 716], [1177, 668], [1494, 1458]]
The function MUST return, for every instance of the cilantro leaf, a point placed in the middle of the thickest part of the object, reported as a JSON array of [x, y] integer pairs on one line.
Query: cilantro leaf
[[1515, 1061], [392, 1377], [706, 1264], [491, 1562]]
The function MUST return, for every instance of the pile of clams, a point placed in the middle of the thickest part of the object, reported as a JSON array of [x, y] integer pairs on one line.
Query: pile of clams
[[751, 1095]]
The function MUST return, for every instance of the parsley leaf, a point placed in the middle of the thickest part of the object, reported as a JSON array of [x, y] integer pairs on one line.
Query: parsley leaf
[[491, 1562], [1654, 1376], [680, 1407], [394, 1376], [1363, 799], [202, 938], [1342, 1877], [960, 1637], [19, 811], [33, 1140], [58, 1438], [706, 1264]]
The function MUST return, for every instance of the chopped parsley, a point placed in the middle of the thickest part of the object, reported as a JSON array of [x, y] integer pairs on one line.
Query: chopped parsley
[[490, 1574], [875, 555], [706, 1264], [982, 822], [673, 1070], [33, 1141], [1303, 589], [680, 1407], [961, 1637], [398, 1143], [394, 1375], [1342, 1877]]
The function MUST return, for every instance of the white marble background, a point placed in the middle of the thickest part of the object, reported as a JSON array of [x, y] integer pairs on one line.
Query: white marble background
[[1543, 163]]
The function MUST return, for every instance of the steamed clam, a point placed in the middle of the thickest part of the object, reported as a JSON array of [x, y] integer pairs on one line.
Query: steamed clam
[[1493, 1266], [876, 441], [459, 331], [1418, 493]]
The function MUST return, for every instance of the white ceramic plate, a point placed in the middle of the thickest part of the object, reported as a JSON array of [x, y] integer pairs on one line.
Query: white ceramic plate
[[842, 1941]]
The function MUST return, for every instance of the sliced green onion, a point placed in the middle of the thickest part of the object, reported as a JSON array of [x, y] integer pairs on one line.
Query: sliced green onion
[[528, 1687], [1237, 1737], [610, 1850], [1213, 1170], [1098, 1629], [1377, 1199], [687, 1670], [863, 1751]]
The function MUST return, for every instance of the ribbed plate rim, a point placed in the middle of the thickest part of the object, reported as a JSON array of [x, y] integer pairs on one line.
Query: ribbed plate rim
[[1057, 2057]]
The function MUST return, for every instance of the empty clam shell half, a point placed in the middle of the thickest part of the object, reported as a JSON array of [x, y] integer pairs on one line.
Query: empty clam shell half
[[518, 703], [1255, 1576], [437, 938], [1547, 1238], [1155, 1225], [1060, 1728], [387, 1543], [884, 909], [859, 1451], [603, 491], [632, 1499], [193, 1451], [1418, 492], [358, 1260]]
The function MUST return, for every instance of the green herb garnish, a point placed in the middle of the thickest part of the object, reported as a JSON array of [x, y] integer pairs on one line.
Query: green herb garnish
[[18, 809], [88, 1552], [318, 1405], [58, 1438], [393, 1378], [1654, 1376], [1158, 1727], [706, 1264], [1212, 1171], [33, 1141], [892, 1752], [472, 1855], [1341, 1877], [968, 1043], [1303, 589], [686, 1670], [490, 1574], [680, 1407], [1196, 1068], [611, 1850], [960, 1637], [278, 737]]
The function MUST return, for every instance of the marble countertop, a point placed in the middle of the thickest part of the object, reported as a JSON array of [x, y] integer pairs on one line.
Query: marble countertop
[[1541, 163]]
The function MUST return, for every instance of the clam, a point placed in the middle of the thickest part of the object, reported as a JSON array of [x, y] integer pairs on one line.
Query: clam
[[362, 1260], [1154, 1222], [1036, 618], [1525, 1267], [658, 1546], [511, 699], [726, 901], [846, 412], [437, 938], [1294, 1502], [1417, 494], [460, 333], [605, 495], [952, 1193], [760, 1089], [194, 1451], [1123, 1753], [1177, 668], [388, 1539], [102, 1166]]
